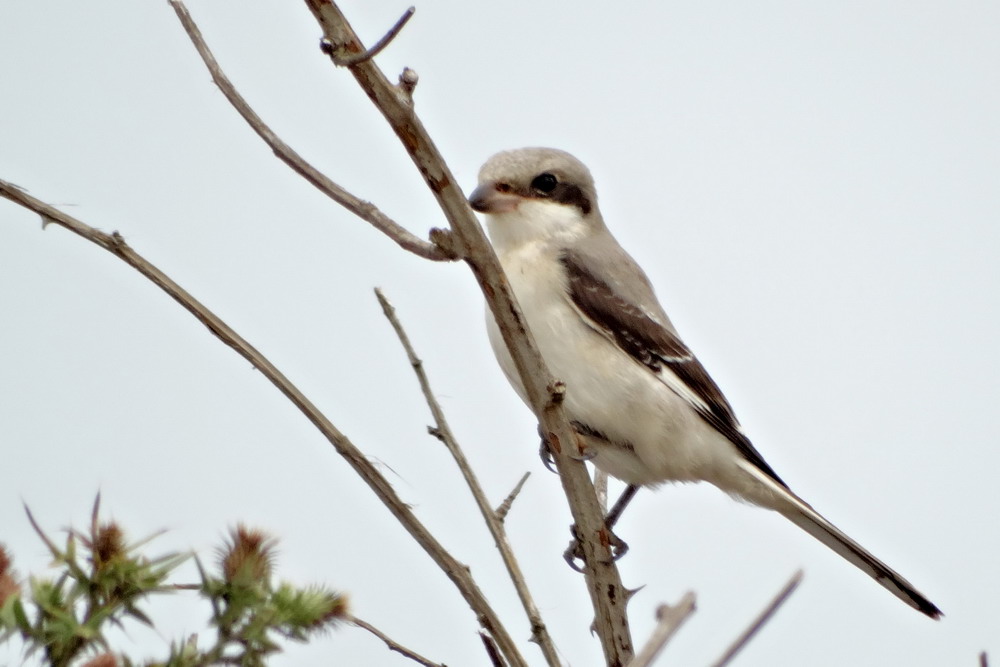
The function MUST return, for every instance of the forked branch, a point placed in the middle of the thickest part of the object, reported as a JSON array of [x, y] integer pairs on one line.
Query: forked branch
[[363, 209], [669, 620], [456, 571], [466, 240], [358, 58], [608, 595]]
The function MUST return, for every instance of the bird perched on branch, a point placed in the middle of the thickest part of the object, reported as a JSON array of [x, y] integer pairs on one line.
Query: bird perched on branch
[[640, 401]]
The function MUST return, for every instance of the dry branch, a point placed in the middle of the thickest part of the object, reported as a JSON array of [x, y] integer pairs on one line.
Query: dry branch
[[607, 593], [504, 507], [539, 631], [363, 209], [670, 620], [456, 571], [394, 645], [491, 650], [762, 618], [379, 45]]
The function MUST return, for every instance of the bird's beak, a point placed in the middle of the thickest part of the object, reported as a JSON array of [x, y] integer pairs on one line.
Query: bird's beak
[[489, 197]]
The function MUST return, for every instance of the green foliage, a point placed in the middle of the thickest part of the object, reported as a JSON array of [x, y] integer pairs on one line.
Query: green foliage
[[101, 579]]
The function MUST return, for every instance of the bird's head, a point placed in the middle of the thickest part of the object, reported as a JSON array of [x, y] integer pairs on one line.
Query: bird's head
[[536, 195]]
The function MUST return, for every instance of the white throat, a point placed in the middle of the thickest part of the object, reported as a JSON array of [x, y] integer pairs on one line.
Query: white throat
[[535, 221]]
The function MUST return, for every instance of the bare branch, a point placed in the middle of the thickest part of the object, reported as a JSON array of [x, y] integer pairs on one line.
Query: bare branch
[[393, 645], [984, 660], [501, 511], [670, 620], [455, 570], [603, 580], [761, 619], [492, 652], [363, 209], [358, 58], [442, 431]]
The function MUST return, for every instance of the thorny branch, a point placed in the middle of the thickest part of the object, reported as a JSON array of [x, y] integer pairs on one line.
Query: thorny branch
[[608, 595], [394, 645], [456, 571], [466, 242], [539, 631], [670, 620], [363, 209]]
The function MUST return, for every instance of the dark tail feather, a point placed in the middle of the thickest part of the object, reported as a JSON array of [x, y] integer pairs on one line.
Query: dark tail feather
[[831, 536], [804, 516]]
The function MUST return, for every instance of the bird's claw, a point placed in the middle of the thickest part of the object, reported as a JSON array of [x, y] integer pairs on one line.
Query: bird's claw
[[545, 452], [548, 459], [574, 552]]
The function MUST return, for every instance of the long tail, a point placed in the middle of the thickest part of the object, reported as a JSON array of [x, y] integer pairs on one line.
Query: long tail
[[801, 514]]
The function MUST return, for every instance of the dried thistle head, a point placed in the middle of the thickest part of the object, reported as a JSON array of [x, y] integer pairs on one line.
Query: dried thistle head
[[8, 585], [248, 557], [325, 607], [338, 609], [103, 660], [108, 544]]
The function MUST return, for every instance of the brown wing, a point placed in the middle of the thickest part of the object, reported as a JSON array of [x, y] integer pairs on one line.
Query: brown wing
[[660, 350]]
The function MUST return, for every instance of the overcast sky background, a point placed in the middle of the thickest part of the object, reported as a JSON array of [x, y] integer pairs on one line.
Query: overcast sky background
[[812, 187]]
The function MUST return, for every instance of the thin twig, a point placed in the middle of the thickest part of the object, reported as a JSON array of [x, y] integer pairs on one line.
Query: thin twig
[[363, 209], [670, 620], [504, 507], [394, 645], [762, 618], [455, 570], [442, 431], [984, 660], [492, 652], [603, 581], [358, 58]]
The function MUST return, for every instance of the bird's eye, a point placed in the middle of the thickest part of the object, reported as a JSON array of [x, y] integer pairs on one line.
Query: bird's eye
[[545, 183]]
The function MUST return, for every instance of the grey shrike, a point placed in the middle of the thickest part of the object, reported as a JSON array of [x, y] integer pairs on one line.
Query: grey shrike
[[637, 397]]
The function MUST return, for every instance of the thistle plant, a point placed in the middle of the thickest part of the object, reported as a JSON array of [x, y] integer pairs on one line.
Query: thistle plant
[[101, 579]]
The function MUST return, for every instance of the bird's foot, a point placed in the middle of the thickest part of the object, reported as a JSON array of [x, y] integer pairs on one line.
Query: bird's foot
[[574, 552], [583, 452], [545, 452]]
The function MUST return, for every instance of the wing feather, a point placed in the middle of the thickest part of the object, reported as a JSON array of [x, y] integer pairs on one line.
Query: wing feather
[[658, 348]]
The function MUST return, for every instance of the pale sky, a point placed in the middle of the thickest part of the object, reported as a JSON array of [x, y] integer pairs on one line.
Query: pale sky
[[813, 189]]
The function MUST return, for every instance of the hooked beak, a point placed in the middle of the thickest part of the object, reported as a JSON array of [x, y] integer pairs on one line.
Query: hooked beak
[[493, 197]]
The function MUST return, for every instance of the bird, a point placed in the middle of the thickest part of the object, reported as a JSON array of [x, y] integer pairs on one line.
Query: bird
[[640, 402]]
